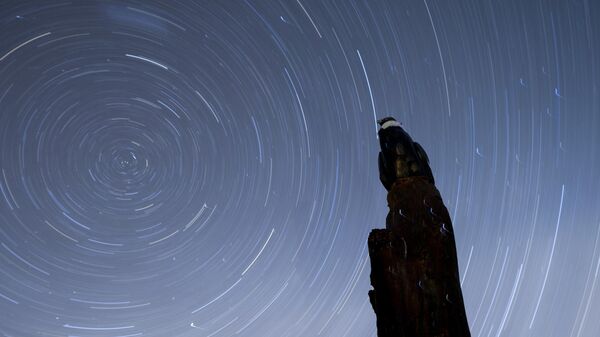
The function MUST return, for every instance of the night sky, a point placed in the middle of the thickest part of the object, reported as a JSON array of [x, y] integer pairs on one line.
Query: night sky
[[209, 168]]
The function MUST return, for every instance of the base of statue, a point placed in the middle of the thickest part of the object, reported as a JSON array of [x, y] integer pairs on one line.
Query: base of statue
[[414, 267]]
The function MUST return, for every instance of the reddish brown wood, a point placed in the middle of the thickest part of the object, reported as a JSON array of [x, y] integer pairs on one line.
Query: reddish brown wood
[[414, 267]]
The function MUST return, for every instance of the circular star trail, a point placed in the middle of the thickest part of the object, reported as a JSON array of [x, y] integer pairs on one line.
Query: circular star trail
[[170, 168]]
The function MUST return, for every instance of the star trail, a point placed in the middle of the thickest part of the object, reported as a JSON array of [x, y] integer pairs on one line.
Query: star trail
[[209, 168]]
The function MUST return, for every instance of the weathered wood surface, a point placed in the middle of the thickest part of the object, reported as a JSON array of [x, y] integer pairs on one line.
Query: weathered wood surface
[[414, 267]]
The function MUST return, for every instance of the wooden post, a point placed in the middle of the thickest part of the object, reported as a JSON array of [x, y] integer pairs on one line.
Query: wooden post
[[414, 267]]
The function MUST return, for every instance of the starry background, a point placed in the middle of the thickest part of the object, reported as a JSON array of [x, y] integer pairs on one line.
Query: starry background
[[209, 168]]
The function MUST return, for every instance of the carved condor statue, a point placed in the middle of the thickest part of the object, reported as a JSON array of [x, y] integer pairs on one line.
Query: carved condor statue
[[400, 156]]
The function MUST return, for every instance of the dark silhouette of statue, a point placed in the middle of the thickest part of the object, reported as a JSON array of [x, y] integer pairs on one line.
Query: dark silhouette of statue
[[414, 266], [400, 156]]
